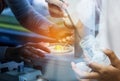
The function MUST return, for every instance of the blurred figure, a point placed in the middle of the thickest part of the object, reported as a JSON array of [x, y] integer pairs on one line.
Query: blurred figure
[[25, 52], [101, 72], [35, 22], [108, 35]]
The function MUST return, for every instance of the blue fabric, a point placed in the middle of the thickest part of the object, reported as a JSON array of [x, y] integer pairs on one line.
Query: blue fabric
[[28, 17]]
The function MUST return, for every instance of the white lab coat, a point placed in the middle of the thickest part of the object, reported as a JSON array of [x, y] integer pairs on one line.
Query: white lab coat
[[110, 25], [86, 13]]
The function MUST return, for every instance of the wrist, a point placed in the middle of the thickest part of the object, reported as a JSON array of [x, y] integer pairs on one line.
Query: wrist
[[9, 52], [12, 52]]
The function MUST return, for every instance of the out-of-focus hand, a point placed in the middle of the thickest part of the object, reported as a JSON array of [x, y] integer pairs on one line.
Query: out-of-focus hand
[[67, 40], [56, 8], [59, 32], [102, 72], [60, 3], [26, 52]]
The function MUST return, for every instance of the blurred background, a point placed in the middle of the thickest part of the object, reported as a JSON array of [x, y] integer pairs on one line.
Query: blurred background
[[12, 33]]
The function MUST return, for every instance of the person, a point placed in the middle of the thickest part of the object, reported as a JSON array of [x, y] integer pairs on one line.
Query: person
[[35, 22], [108, 33]]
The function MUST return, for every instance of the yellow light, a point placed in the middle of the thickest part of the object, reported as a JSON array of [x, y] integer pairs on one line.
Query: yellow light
[[59, 48]]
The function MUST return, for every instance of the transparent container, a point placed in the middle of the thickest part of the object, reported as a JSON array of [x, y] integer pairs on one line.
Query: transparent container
[[92, 49]]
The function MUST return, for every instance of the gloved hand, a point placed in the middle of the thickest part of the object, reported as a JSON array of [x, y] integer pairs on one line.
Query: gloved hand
[[57, 32], [102, 72], [26, 52], [59, 3], [56, 8], [60, 33]]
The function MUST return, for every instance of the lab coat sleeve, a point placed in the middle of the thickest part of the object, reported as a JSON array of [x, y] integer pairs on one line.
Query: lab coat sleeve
[[28, 17], [2, 52]]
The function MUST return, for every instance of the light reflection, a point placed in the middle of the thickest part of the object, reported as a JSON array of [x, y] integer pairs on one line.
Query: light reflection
[[59, 48]]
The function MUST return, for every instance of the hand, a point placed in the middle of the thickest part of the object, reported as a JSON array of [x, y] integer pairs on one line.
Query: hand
[[61, 4], [67, 40], [59, 32], [56, 8], [26, 52], [101, 72]]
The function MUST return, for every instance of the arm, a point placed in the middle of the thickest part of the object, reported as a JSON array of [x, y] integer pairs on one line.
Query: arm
[[34, 21], [24, 52], [28, 17]]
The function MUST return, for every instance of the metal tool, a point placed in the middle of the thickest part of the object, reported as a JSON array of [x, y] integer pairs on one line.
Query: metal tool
[[78, 49], [70, 19]]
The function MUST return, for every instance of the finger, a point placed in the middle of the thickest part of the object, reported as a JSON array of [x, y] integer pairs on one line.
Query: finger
[[64, 40], [36, 52], [61, 4], [25, 59], [60, 41], [67, 39], [87, 58], [55, 11], [39, 46], [73, 65], [96, 67], [28, 61], [27, 53], [84, 75], [91, 75], [64, 33], [112, 56], [46, 44]]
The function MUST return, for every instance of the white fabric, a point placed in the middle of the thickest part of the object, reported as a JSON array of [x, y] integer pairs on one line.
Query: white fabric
[[86, 12], [110, 25]]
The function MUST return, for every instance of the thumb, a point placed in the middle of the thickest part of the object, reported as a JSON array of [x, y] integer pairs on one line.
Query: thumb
[[112, 56]]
